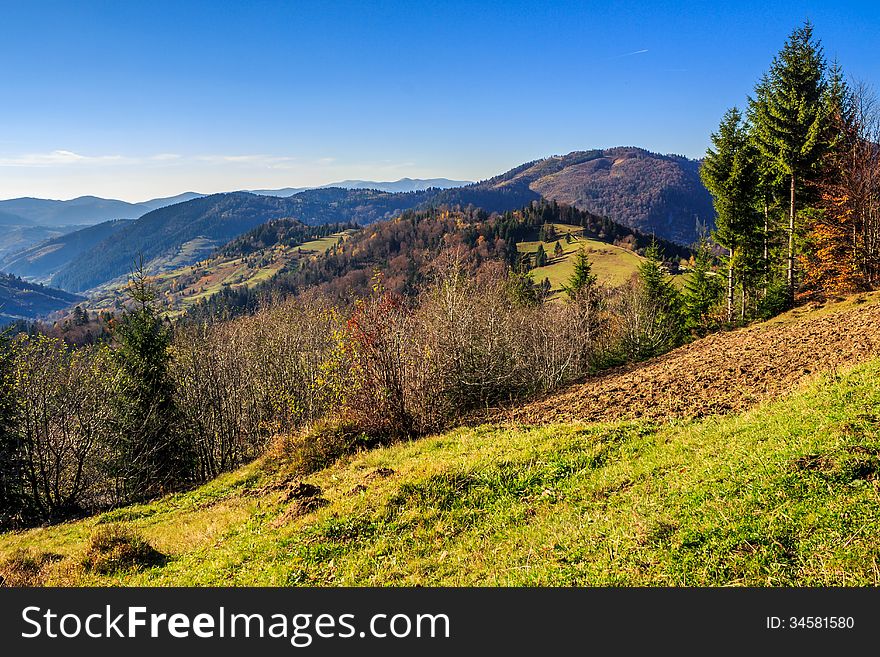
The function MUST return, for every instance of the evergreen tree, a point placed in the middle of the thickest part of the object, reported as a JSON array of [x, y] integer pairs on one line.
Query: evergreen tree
[[789, 114], [557, 250], [521, 289], [668, 318], [583, 277], [701, 290], [730, 173], [540, 256], [151, 454]]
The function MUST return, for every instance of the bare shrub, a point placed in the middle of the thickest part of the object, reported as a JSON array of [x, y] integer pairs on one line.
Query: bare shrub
[[63, 414]]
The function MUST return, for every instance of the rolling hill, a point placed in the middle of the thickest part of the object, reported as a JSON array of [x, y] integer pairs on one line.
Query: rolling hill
[[656, 194], [41, 262], [244, 263], [22, 300], [651, 193], [778, 489]]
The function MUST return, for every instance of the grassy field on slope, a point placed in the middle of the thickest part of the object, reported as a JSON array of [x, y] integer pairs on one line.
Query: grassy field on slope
[[184, 286], [783, 494], [613, 265]]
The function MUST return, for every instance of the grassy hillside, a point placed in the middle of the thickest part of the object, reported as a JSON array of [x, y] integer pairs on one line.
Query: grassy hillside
[[183, 286], [612, 264], [783, 494]]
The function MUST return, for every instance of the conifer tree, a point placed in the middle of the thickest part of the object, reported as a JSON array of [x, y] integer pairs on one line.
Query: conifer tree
[[557, 250], [789, 115], [659, 291], [730, 173], [540, 256], [701, 290], [151, 455], [582, 278]]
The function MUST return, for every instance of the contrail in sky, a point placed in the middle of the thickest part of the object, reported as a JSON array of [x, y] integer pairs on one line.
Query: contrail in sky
[[630, 54]]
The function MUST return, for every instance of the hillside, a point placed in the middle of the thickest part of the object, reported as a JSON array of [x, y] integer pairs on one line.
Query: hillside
[[655, 194], [184, 233], [243, 264], [41, 262], [611, 264], [22, 300], [783, 493], [17, 238], [725, 372]]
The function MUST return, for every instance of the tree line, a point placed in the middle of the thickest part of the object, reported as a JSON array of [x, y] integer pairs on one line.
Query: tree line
[[794, 180]]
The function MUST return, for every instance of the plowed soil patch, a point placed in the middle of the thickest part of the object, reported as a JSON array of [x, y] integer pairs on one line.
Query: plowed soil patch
[[723, 373]]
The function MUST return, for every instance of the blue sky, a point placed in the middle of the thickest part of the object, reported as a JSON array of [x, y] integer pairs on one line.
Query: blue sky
[[135, 100]]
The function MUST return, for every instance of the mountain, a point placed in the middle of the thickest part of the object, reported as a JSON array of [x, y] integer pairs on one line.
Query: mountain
[[655, 194], [18, 238], [85, 210], [39, 263], [402, 185], [184, 233], [22, 300]]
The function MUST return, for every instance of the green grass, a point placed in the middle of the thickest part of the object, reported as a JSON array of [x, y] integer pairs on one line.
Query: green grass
[[785, 494], [215, 273]]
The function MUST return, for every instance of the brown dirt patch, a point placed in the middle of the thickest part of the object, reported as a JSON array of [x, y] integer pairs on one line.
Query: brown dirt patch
[[722, 373]]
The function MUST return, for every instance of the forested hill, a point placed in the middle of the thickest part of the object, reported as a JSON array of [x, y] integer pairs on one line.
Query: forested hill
[[41, 262], [22, 300], [405, 250], [655, 194], [184, 233]]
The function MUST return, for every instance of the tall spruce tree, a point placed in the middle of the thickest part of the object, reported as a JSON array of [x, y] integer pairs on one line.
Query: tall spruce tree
[[701, 290], [540, 256], [788, 114], [730, 173], [658, 289], [151, 451], [582, 278]]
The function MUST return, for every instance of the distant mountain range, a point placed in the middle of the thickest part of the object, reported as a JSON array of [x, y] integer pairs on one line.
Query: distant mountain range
[[90, 210], [85, 210], [402, 185], [652, 193]]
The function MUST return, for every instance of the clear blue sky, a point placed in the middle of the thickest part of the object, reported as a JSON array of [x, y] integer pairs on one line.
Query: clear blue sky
[[140, 99]]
